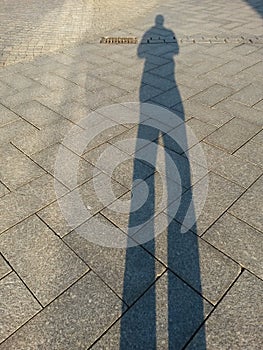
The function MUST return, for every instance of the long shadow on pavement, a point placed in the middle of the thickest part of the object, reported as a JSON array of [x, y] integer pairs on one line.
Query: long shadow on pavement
[[169, 312]]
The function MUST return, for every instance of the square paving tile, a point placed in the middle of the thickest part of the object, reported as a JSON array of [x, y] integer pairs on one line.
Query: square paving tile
[[73, 321], [249, 206], [17, 305], [32, 243], [243, 303], [239, 241]]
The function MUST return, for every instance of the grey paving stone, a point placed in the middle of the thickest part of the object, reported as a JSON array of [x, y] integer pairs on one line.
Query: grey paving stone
[[242, 303], [26, 95], [172, 97], [259, 105], [131, 265], [249, 95], [16, 206], [37, 114], [249, 206], [239, 241], [170, 304], [47, 136], [221, 194], [16, 168], [258, 138], [200, 129], [6, 116], [232, 135], [6, 90], [73, 321], [251, 151], [4, 267], [54, 217], [17, 81], [72, 110], [17, 305], [229, 166], [204, 113], [17, 128], [203, 267], [128, 84], [213, 95], [241, 111], [32, 243], [43, 188], [3, 190], [47, 159]]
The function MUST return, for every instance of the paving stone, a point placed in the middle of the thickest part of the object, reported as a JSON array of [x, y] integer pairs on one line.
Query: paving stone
[[37, 114], [172, 166], [3, 190], [249, 95], [44, 189], [239, 241], [6, 116], [16, 206], [232, 135], [54, 216], [168, 305], [221, 194], [203, 267], [25, 95], [258, 138], [47, 136], [205, 114], [17, 305], [249, 207], [241, 111], [251, 151], [229, 166], [74, 320], [72, 110], [131, 265], [259, 105], [200, 129], [6, 90], [16, 168], [47, 159], [17, 128], [243, 302], [17, 81], [213, 95], [172, 97], [4, 268], [32, 243]]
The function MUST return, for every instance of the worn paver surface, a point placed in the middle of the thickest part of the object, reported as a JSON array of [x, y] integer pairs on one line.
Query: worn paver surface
[[131, 175]]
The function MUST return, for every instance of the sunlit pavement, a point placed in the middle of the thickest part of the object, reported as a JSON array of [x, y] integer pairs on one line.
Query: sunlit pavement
[[68, 105]]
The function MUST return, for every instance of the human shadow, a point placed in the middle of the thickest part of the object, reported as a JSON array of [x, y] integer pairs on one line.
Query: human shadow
[[165, 308], [257, 5]]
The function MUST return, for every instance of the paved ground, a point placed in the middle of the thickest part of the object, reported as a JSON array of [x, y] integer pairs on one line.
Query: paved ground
[[66, 282]]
